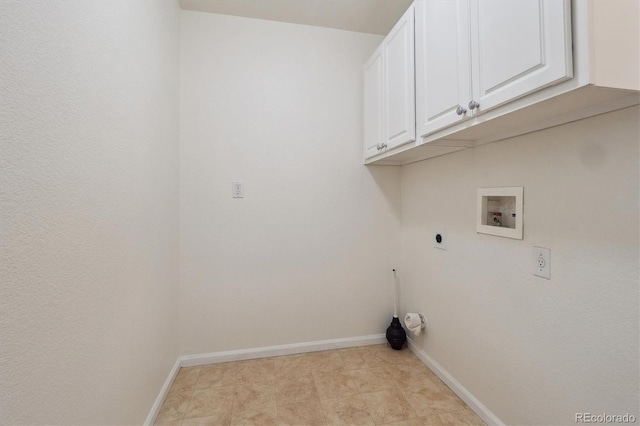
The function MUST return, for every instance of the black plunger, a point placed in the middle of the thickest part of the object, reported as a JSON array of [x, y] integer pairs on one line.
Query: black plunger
[[396, 336]]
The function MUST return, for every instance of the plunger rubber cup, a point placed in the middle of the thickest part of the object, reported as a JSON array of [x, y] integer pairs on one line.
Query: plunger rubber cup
[[396, 336]]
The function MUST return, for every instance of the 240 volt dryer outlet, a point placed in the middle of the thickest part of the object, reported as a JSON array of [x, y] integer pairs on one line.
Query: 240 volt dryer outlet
[[439, 239]]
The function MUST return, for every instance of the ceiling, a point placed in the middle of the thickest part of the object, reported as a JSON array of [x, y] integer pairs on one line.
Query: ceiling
[[365, 16]]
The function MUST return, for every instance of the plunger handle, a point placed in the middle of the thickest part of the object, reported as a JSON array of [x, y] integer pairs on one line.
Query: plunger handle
[[395, 294]]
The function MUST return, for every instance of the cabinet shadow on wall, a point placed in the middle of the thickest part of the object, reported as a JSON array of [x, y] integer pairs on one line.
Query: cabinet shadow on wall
[[387, 178]]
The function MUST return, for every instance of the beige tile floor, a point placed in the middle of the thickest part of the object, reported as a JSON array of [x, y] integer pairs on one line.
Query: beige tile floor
[[368, 385]]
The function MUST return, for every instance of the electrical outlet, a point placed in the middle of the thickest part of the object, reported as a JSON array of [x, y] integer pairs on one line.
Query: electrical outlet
[[440, 239], [237, 189], [542, 262]]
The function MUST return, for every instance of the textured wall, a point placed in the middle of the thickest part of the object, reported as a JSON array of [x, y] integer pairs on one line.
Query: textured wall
[[534, 351], [307, 254], [88, 209]]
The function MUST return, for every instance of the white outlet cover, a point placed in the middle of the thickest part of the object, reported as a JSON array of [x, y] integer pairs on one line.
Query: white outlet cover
[[442, 244], [542, 262], [237, 189]]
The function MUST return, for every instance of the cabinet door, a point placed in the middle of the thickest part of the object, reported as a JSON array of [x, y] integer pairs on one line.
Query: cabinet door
[[400, 123], [374, 103], [518, 47], [443, 68]]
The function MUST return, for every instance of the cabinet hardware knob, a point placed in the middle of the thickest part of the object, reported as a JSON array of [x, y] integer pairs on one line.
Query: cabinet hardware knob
[[473, 105], [460, 110]]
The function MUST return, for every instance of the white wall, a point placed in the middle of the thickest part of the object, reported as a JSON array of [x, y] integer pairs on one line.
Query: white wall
[[534, 351], [306, 255], [88, 209]]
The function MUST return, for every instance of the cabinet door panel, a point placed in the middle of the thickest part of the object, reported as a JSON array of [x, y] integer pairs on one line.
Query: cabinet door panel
[[443, 68], [399, 82], [373, 103], [518, 47]]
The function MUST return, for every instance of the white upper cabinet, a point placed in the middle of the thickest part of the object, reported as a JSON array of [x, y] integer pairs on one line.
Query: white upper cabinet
[[400, 115], [518, 47], [443, 68], [473, 55], [488, 70], [374, 103], [389, 91]]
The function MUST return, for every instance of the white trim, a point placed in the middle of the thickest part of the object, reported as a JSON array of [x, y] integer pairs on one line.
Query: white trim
[[268, 351], [155, 409], [473, 403]]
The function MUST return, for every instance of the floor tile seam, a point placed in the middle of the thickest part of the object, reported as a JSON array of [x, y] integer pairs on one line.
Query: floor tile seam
[[444, 412], [448, 412], [216, 409], [324, 415], [316, 385], [318, 372], [366, 406], [254, 382], [186, 410], [265, 407], [435, 414], [277, 413], [215, 386], [319, 402], [405, 399]]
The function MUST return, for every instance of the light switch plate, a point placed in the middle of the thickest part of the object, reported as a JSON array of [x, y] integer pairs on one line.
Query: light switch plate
[[542, 262]]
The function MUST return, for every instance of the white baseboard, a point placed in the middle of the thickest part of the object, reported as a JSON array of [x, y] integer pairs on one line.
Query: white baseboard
[[478, 407], [155, 409], [268, 351]]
